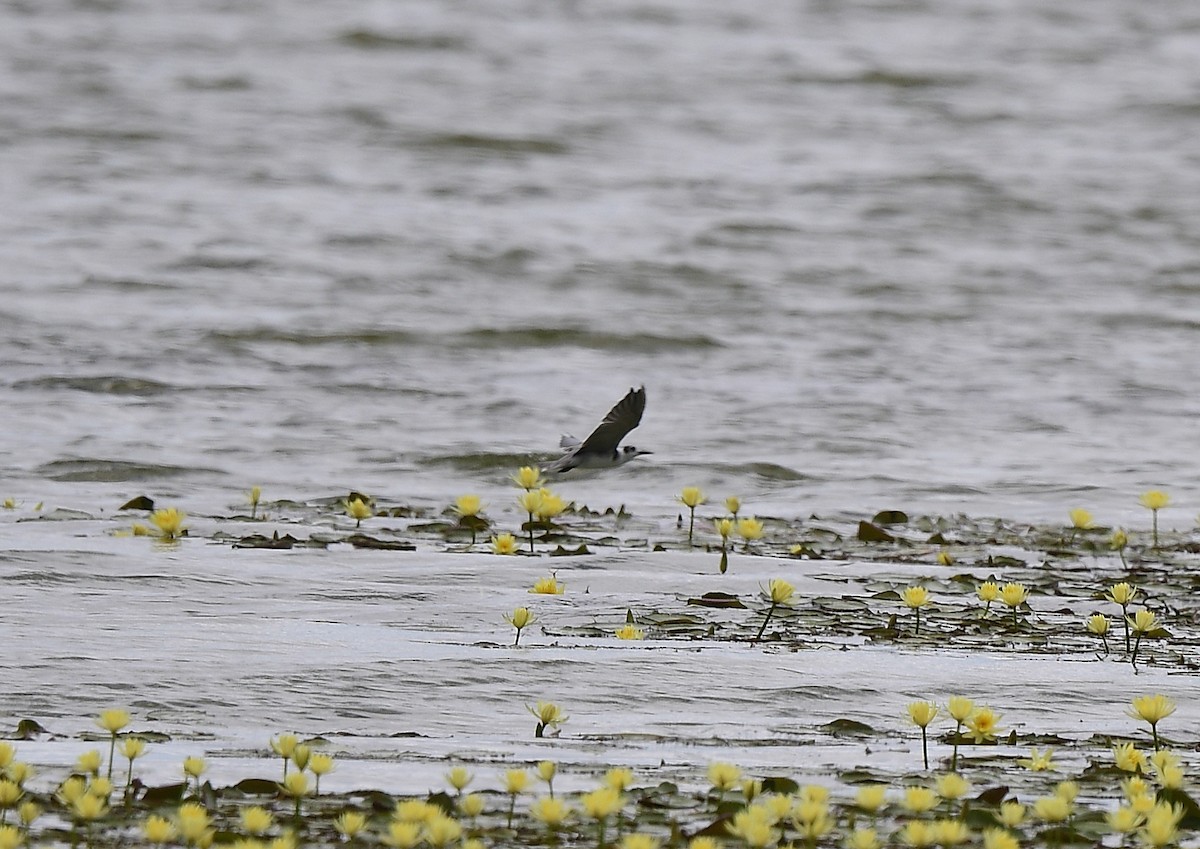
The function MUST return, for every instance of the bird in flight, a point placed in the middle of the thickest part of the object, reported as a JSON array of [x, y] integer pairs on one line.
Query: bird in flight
[[600, 451]]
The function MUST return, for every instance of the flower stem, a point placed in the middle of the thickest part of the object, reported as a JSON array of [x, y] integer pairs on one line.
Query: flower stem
[[531, 533], [917, 629], [954, 757], [1125, 621], [925, 745], [1137, 643], [763, 627], [1154, 513], [112, 748], [691, 528]]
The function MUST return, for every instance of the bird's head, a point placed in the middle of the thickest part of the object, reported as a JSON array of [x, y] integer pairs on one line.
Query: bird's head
[[629, 452]]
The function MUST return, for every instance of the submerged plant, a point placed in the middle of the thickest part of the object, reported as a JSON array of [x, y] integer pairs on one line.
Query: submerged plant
[[467, 507], [1154, 500], [516, 781], [1098, 624], [1123, 594], [1144, 623], [1118, 542], [1014, 595], [530, 501], [988, 592], [692, 497], [112, 721], [284, 745], [320, 764], [132, 748], [779, 592], [749, 529], [915, 598], [549, 715], [923, 713], [960, 709], [520, 618]]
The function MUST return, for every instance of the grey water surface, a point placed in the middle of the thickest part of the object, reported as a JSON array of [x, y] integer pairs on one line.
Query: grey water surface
[[934, 255]]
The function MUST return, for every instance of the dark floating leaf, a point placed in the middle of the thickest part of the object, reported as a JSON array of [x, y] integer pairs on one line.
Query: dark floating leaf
[[843, 727], [717, 599], [717, 828], [890, 517], [257, 787], [1191, 811], [992, 796], [168, 794], [27, 729], [142, 502], [260, 541], [559, 551], [780, 784], [873, 533], [364, 541], [937, 539], [474, 523]]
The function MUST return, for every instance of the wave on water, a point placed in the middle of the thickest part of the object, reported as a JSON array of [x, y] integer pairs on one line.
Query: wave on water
[[552, 337], [100, 384], [113, 471]]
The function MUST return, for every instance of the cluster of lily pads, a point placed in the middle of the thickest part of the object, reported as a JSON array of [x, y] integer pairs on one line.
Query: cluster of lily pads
[[945, 606], [1126, 794]]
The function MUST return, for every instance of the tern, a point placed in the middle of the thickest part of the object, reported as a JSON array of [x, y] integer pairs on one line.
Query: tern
[[600, 451]]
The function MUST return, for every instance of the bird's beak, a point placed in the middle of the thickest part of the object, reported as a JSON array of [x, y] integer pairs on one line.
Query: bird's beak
[[642, 451]]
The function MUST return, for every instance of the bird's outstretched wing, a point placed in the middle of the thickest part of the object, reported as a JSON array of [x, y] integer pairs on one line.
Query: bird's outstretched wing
[[621, 419]]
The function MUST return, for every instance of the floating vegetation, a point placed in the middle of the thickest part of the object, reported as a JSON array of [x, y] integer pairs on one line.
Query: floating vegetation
[[1124, 792], [961, 586]]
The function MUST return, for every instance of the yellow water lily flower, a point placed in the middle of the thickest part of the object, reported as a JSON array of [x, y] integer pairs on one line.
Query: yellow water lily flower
[[350, 824], [357, 509], [1081, 520], [922, 713], [113, 719], [548, 586], [504, 544], [516, 781], [468, 505], [520, 618], [257, 820], [692, 496], [871, 797], [158, 830], [1154, 499], [749, 528], [918, 800], [723, 776], [169, 522], [982, 724], [553, 812], [630, 632], [549, 715], [528, 477]]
